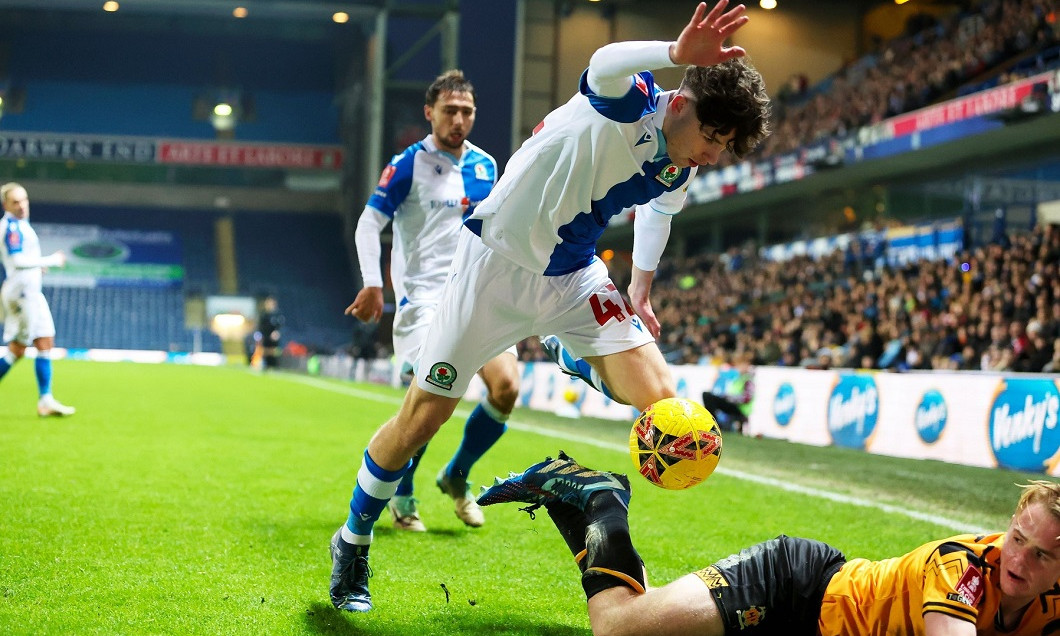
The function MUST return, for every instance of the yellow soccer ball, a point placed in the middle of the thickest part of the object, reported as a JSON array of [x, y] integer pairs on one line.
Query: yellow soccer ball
[[675, 443]]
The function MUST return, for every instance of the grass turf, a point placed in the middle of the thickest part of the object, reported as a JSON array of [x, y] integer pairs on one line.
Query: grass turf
[[184, 500]]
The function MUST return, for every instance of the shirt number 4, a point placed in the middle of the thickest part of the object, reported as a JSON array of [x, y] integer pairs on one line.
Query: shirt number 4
[[611, 307]]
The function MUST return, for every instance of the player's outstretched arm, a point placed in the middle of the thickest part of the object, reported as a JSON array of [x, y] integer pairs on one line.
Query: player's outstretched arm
[[702, 41], [936, 624]]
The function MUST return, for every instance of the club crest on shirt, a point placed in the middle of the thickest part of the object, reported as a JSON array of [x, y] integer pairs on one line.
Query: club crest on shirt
[[442, 375], [481, 173], [668, 175], [751, 616]]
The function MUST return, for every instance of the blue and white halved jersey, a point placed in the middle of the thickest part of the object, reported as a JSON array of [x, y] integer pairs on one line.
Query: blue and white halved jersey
[[21, 257], [427, 193], [589, 160]]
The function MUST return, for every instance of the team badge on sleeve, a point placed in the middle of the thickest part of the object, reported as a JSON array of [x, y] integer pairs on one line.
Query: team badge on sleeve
[[668, 175], [388, 174], [970, 587], [642, 86], [442, 375]]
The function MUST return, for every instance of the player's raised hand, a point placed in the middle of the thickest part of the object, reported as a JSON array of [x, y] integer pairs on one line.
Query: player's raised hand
[[368, 305], [702, 41]]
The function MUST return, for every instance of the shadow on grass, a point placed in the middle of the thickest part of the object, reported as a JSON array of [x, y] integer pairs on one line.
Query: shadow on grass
[[322, 618], [390, 531]]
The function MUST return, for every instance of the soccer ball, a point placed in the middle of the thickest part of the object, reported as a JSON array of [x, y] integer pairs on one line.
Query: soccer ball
[[675, 443]]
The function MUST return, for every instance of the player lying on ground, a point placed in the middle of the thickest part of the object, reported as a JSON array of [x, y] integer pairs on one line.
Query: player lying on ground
[[961, 586]]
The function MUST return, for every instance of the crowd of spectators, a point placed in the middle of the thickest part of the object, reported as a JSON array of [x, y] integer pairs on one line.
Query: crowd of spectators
[[994, 308], [911, 72]]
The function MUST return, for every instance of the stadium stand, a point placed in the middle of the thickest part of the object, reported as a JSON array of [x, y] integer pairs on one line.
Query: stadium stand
[[147, 84], [302, 261], [135, 317], [992, 308], [298, 257], [989, 44]]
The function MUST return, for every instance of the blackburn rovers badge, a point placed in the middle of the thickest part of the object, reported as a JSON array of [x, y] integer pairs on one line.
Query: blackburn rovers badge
[[442, 375], [668, 175]]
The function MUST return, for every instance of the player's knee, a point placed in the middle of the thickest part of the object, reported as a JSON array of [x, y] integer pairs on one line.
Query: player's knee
[[651, 392], [504, 394], [608, 620]]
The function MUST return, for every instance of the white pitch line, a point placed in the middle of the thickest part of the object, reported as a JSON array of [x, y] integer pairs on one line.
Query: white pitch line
[[938, 520]]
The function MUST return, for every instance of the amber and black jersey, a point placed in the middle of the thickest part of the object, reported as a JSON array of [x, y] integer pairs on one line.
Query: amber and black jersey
[[958, 577]]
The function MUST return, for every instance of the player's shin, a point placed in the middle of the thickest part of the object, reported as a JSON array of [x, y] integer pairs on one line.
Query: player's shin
[[7, 359], [405, 488], [610, 558], [375, 486], [43, 368], [571, 523]]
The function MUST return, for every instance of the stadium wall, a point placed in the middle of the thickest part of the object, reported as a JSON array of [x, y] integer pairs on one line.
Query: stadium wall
[[977, 419], [990, 420]]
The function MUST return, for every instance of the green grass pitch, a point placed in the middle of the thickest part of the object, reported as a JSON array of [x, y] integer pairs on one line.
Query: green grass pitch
[[184, 500]]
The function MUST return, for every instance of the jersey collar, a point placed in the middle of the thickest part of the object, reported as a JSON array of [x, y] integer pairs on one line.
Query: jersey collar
[[431, 147], [656, 121]]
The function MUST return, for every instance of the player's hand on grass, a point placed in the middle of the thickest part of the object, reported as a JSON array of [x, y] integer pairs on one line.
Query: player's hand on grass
[[368, 306], [702, 41]]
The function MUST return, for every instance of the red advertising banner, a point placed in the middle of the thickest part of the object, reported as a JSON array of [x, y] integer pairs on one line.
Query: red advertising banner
[[249, 155], [983, 103]]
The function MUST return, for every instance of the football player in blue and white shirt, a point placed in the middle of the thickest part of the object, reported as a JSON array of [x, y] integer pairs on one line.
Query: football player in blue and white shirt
[[619, 142], [427, 191], [28, 319]]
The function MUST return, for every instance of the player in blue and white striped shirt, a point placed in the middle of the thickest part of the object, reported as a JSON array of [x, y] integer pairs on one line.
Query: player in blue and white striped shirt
[[619, 142], [28, 319], [427, 191]]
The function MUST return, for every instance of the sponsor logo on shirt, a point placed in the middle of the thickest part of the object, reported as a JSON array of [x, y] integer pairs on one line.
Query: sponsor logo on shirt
[[388, 174], [645, 138], [442, 204]]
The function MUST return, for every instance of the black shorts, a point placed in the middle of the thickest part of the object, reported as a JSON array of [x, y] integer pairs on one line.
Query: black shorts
[[774, 587]]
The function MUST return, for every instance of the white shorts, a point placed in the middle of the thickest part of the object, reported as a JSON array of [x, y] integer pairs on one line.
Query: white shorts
[[27, 318], [490, 303], [411, 324]]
